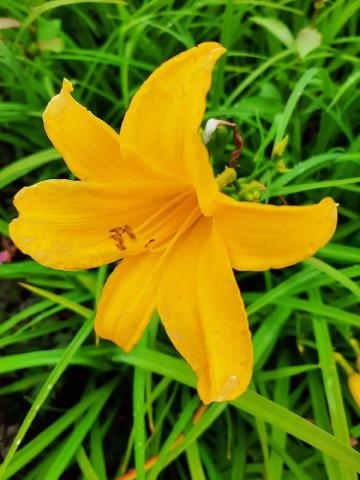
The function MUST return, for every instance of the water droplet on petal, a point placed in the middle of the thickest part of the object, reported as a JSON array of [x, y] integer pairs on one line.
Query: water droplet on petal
[[231, 384]]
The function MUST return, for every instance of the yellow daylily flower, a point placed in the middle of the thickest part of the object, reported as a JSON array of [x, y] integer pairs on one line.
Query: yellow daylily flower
[[149, 196]]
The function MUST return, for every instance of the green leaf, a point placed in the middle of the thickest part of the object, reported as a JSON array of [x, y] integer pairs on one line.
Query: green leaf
[[38, 444], [46, 389], [78, 434], [277, 28], [298, 90], [250, 402], [307, 40], [21, 167]]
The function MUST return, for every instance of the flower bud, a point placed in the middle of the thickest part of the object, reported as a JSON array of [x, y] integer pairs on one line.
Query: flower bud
[[354, 387], [279, 148], [250, 192], [281, 167]]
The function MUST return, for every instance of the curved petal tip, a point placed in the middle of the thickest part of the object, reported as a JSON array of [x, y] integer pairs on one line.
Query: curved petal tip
[[214, 47], [67, 86]]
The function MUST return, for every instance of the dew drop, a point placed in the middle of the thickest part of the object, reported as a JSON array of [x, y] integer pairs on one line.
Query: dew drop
[[18, 441], [230, 385]]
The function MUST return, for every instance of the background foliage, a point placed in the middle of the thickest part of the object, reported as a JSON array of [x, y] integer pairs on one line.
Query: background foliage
[[72, 409]]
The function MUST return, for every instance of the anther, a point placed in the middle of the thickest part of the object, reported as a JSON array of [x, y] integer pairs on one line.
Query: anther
[[149, 242], [117, 235], [129, 231]]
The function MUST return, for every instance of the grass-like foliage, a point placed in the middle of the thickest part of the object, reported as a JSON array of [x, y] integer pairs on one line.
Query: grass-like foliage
[[71, 408]]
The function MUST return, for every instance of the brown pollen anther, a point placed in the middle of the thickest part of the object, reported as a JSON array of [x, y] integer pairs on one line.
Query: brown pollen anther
[[117, 235], [129, 231], [149, 242]]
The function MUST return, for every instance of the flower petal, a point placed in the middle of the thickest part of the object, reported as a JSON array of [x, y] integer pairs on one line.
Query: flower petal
[[73, 225], [162, 124], [128, 300], [88, 145], [259, 237], [201, 308]]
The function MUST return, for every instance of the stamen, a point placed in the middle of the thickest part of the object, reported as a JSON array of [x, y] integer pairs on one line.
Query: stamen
[[157, 229], [164, 223], [129, 231], [160, 213], [149, 242], [117, 235]]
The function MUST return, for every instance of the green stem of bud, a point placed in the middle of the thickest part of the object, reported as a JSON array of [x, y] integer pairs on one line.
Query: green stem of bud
[[344, 363], [226, 177], [355, 345]]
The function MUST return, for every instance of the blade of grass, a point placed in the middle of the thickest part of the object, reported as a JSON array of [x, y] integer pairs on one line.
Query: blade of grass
[[51, 4], [336, 274], [340, 253], [85, 465], [65, 302], [97, 457], [178, 428], [292, 102], [254, 75], [194, 461], [70, 351], [50, 434], [321, 416], [21, 167], [78, 434], [249, 402], [275, 192], [139, 422], [331, 383]]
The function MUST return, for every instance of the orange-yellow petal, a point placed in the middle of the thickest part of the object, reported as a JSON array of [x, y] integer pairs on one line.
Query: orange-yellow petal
[[201, 308], [162, 124], [128, 300], [73, 225], [259, 237], [88, 145]]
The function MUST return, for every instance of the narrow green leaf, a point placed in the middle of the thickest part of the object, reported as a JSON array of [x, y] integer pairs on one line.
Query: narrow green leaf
[[59, 299], [292, 102], [277, 28], [85, 465], [331, 384], [70, 351], [50, 434], [78, 434], [252, 403], [25, 165], [336, 274]]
